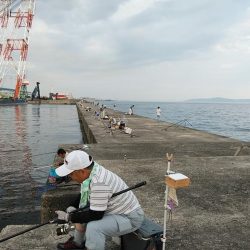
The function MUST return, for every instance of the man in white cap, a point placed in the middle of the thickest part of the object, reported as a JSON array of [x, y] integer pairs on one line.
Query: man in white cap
[[105, 216]]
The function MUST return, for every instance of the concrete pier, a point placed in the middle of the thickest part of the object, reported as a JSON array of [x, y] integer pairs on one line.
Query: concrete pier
[[213, 212]]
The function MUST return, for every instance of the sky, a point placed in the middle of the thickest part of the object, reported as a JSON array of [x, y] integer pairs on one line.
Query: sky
[[141, 50]]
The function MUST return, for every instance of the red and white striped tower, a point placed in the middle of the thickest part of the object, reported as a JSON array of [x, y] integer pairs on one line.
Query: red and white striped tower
[[15, 23]]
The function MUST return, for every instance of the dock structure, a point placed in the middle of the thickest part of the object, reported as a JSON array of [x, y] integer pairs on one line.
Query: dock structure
[[213, 212], [55, 102]]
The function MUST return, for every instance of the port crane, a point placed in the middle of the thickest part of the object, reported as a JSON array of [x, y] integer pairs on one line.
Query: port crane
[[16, 18], [36, 92]]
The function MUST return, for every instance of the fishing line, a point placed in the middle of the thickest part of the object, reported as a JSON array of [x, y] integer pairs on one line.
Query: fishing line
[[84, 147], [45, 153], [41, 167]]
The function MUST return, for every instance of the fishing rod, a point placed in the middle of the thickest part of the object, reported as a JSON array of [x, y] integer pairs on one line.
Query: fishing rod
[[56, 220], [130, 188], [186, 121], [71, 185], [41, 167], [27, 230], [45, 153], [179, 123]]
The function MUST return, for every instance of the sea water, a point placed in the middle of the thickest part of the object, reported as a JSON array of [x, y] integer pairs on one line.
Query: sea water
[[29, 139], [227, 119]]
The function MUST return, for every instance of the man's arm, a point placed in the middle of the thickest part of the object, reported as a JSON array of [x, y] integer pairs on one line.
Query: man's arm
[[85, 215], [75, 203]]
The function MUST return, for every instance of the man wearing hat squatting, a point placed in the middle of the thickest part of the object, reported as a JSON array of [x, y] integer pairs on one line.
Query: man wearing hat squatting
[[105, 216]]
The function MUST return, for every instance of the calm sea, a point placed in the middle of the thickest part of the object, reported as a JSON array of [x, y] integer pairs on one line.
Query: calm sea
[[228, 119], [29, 136]]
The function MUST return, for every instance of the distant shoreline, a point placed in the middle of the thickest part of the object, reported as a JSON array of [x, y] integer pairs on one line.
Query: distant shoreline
[[216, 100]]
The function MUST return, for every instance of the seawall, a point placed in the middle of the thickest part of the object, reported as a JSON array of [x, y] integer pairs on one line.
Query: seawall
[[88, 136], [213, 212]]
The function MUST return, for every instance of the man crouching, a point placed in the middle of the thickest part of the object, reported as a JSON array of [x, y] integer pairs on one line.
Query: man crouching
[[105, 216]]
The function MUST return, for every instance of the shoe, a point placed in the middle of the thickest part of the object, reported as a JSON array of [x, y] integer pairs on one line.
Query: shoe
[[70, 245]]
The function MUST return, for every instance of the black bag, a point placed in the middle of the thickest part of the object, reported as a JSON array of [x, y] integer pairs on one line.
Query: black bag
[[147, 237]]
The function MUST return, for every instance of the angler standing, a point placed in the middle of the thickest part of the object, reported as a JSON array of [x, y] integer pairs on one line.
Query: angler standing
[[105, 216], [158, 113], [131, 111]]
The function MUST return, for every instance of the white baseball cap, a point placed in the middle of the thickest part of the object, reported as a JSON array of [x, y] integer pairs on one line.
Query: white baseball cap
[[74, 160]]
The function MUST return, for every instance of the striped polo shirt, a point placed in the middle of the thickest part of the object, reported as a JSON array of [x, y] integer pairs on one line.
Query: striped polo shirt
[[103, 185]]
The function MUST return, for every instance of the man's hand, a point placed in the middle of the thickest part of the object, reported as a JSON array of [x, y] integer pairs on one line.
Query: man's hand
[[51, 180], [62, 215], [70, 209]]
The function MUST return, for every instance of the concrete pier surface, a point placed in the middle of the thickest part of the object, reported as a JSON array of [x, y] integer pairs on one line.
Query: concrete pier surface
[[213, 212]]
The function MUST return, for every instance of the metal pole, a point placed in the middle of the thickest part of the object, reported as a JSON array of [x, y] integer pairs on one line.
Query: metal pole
[[163, 239], [165, 219]]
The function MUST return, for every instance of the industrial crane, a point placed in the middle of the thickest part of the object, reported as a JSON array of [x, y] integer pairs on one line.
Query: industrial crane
[[16, 18], [36, 92]]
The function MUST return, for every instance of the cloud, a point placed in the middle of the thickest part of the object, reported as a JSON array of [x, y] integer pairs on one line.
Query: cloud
[[91, 47], [131, 8], [237, 38], [141, 31]]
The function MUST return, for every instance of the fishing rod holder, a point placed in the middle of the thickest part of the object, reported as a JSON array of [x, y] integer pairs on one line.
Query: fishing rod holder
[[173, 181]]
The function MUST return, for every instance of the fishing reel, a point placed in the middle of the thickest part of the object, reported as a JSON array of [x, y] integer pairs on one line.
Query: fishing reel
[[65, 229]]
